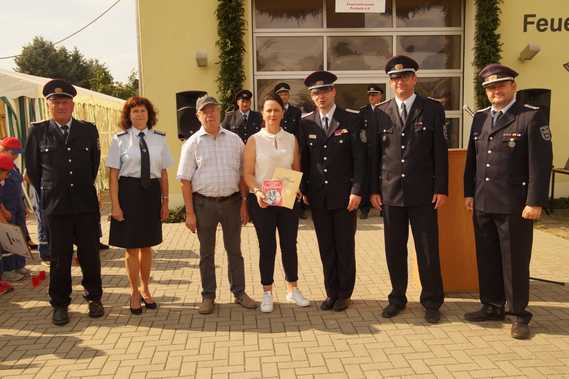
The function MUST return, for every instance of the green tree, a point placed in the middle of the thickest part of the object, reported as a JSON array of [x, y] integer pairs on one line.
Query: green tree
[[42, 58]]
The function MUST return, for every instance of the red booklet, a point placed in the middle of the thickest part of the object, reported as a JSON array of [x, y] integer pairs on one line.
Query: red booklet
[[273, 190]]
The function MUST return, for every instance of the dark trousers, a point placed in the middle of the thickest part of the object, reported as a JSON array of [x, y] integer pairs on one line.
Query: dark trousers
[[424, 226], [335, 231], [209, 214], [267, 221], [503, 252], [64, 231]]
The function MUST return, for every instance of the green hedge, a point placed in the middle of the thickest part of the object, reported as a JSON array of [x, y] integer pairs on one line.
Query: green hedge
[[487, 46], [230, 32]]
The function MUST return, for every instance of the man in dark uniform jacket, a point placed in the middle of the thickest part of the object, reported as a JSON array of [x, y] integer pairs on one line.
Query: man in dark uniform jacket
[[292, 114], [409, 180], [291, 123], [506, 182], [62, 158], [243, 121], [332, 166], [366, 117]]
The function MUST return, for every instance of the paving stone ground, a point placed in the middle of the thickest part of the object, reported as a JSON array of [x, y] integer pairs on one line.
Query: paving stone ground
[[291, 342]]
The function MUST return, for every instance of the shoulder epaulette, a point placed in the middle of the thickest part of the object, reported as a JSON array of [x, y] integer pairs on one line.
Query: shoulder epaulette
[[432, 98], [352, 111], [484, 109], [121, 134], [160, 133], [531, 107], [308, 114], [40, 122], [384, 101], [85, 123], [363, 108]]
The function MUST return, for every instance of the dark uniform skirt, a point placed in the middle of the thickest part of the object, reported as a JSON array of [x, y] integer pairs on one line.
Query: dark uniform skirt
[[141, 208]]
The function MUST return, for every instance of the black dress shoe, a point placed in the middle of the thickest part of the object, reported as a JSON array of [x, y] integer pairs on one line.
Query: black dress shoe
[[432, 316], [96, 309], [391, 310], [341, 304], [327, 304], [102, 246], [520, 330], [148, 305], [60, 316], [486, 313]]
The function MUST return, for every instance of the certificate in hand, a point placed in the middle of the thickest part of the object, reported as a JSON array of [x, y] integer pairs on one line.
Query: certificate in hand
[[290, 180]]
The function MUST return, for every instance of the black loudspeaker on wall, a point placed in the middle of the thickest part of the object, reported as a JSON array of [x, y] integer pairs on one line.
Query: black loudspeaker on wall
[[538, 97], [188, 122]]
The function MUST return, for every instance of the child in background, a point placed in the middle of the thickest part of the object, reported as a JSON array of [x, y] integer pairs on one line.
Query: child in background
[[6, 164], [12, 198]]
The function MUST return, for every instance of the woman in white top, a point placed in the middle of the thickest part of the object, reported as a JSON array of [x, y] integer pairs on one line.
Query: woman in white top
[[138, 185], [266, 150]]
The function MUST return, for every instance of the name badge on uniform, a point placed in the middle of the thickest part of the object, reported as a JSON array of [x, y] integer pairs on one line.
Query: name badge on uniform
[[312, 136]]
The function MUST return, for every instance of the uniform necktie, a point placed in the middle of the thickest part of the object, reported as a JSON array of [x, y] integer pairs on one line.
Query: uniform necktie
[[65, 131], [495, 117], [244, 119], [144, 161], [403, 113], [326, 124]]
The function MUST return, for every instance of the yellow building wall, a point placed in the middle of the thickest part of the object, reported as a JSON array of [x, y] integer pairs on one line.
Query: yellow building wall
[[170, 33], [545, 70]]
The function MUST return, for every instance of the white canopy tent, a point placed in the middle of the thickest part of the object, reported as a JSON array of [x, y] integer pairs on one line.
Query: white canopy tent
[[22, 102]]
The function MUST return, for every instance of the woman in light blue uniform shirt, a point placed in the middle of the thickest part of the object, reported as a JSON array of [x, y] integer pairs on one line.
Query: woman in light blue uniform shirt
[[138, 182]]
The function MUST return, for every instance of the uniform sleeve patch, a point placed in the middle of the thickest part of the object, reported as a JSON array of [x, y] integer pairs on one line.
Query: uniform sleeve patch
[[545, 132]]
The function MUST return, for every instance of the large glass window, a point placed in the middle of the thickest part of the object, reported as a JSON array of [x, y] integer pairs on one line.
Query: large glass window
[[432, 52], [359, 53], [445, 90], [428, 13], [292, 38], [289, 54], [289, 14]]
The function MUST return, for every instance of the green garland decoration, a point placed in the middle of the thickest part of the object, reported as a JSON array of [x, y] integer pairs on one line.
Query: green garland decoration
[[487, 48], [230, 32]]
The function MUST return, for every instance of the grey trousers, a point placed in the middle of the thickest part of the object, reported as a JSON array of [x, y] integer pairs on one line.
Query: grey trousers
[[210, 213]]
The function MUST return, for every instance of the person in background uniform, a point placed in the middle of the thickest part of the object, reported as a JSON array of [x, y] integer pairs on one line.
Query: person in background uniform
[[290, 123], [138, 185], [332, 163], [62, 157], [243, 121], [409, 181], [506, 181], [366, 117], [211, 172]]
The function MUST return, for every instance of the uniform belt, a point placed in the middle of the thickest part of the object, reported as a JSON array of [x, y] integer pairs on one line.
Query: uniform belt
[[217, 199]]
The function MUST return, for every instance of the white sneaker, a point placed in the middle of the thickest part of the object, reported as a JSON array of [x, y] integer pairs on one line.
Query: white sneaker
[[12, 276], [267, 303], [295, 296]]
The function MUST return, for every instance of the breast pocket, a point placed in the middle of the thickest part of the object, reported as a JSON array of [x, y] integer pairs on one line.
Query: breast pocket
[[510, 141], [422, 128]]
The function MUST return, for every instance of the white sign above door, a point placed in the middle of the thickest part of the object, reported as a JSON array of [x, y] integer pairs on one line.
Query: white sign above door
[[360, 6]]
